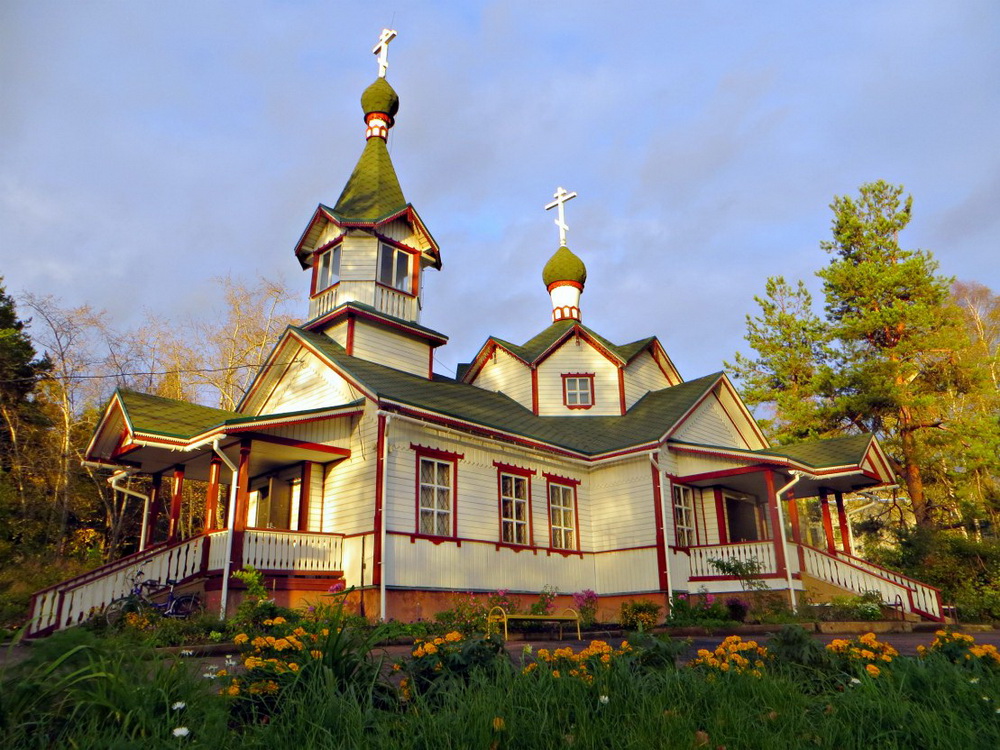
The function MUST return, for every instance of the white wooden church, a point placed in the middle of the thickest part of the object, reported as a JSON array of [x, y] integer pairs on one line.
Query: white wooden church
[[567, 460]]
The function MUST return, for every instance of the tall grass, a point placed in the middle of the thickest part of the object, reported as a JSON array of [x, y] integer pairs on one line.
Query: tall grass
[[90, 695]]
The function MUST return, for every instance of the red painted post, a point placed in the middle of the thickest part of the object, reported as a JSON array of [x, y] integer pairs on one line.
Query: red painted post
[[824, 504], [173, 529], [155, 504], [845, 532], [772, 506], [212, 495]]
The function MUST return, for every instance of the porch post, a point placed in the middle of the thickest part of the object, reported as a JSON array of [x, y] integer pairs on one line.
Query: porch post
[[212, 495], [306, 481], [241, 504], [720, 515], [824, 504], [793, 520], [845, 532], [147, 539], [173, 529], [777, 532]]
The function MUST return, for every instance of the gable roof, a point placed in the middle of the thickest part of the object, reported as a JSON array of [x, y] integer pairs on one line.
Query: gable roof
[[541, 345], [645, 423], [825, 453]]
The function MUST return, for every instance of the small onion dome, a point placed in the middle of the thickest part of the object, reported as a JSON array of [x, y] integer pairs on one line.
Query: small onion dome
[[564, 266], [380, 97]]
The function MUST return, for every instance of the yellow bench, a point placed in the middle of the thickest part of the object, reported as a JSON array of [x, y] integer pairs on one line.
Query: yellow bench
[[499, 614]]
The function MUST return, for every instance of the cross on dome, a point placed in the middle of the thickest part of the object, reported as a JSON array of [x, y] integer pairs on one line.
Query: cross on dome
[[561, 197], [382, 50]]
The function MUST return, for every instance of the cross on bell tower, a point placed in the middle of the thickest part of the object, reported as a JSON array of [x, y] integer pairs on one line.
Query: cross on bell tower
[[561, 198]]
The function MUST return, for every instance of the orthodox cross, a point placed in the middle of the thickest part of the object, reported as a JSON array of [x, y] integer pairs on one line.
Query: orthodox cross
[[382, 50], [561, 197]]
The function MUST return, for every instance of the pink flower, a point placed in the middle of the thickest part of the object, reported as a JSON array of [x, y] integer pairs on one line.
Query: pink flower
[[337, 587]]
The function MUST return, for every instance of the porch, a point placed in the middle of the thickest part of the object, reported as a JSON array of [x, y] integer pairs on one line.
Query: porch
[[291, 561]]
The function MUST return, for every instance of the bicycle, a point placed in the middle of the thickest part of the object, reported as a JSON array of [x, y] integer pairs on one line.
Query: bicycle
[[139, 599]]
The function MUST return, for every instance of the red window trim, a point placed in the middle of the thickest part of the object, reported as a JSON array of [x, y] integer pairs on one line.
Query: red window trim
[[414, 266], [694, 514], [329, 246], [421, 452], [589, 376], [555, 479], [526, 474]]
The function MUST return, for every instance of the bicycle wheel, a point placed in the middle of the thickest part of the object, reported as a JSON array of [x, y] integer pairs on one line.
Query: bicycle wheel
[[185, 606], [115, 612]]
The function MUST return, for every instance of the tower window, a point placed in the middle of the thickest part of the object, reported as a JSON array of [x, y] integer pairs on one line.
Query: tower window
[[328, 271], [394, 268], [578, 390]]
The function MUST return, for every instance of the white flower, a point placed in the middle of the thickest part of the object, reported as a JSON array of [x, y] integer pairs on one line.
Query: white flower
[[187, 652], [974, 680], [855, 681], [178, 706], [230, 661], [603, 700], [210, 675], [181, 732]]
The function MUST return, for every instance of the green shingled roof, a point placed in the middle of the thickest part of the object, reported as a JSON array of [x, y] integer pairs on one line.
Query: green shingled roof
[[168, 416], [372, 192], [821, 454], [646, 421], [535, 347]]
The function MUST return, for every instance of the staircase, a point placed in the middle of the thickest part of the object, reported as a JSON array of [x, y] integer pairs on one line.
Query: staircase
[[859, 576]]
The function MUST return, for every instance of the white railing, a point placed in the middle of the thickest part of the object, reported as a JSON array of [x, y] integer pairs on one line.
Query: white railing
[[745, 552], [323, 303], [926, 598], [217, 549], [860, 576], [292, 551], [395, 303], [71, 602]]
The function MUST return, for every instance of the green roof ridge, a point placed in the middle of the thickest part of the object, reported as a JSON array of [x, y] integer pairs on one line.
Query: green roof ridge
[[372, 192]]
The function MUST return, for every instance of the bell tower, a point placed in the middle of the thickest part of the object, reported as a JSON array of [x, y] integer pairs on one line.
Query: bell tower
[[367, 253]]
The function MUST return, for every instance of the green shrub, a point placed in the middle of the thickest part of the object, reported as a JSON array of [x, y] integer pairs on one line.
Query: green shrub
[[546, 600], [639, 614]]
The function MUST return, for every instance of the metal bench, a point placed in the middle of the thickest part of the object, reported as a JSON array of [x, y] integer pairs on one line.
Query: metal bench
[[499, 614]]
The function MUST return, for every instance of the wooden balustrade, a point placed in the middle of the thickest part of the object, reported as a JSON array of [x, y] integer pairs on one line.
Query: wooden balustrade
[[269, 549], [745, 552]]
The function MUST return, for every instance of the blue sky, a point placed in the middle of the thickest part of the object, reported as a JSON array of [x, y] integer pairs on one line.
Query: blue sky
[[148, 147]]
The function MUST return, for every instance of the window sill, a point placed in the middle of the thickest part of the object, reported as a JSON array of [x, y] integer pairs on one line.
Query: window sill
[[435, 540]]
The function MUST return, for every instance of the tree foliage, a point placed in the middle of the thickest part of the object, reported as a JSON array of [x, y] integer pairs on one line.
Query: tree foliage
[[897, 353]]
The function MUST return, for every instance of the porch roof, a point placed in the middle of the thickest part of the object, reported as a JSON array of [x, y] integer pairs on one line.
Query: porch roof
[[154, 433]]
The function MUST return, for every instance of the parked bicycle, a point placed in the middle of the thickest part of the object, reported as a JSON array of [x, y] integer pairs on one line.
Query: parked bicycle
[[140, 599]]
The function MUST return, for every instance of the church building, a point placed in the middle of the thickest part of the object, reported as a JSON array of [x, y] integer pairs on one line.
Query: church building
[[566, 461]]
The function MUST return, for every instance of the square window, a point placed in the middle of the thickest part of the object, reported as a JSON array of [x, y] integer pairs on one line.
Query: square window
[[328, 272], [394, 268], [562, 516], [435, 497], [578, 391], [513, 509], [684, 530]]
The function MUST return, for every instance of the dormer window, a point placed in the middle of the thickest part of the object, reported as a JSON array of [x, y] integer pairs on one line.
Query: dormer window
[[328, 269], [578, 390], [394, 268]]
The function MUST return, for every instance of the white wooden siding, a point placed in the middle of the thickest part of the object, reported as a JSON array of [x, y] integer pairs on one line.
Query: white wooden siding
[[358, 551], [307, 383], [315, 521], [506, 374], [358, 257], [708, 533], [574, 358], [687, 464], [643, 375], [623, 505], [743, 427], [349, 485], [390, 348], [709, 425], [626, 572]]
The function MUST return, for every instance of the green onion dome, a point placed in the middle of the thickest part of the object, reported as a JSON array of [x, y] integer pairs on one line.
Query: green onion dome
[[564, 266], [380, 97]]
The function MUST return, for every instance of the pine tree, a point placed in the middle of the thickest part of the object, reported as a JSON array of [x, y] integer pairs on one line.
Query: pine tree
[[897, 336], [791, 345]]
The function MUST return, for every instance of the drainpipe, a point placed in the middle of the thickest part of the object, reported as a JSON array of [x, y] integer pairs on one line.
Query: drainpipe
[[113, 480], [796, 476], [385, 494], [663, 516], [231, 513]]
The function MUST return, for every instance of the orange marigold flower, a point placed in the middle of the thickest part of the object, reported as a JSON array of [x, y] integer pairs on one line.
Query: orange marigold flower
[[430, 648], [316, 654], [240, 639], [453, 636], [873, 670], [498, 724]]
